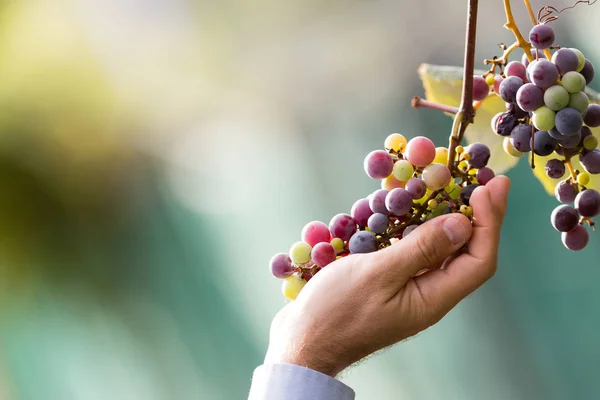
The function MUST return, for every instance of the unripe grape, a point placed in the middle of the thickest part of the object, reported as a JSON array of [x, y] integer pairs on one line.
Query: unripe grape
[[420, 151], [300, 253], [579, 101], [291, 286], [590, 142], [396, 142], [556, 97], [338, 245], [403, 170], [431, 204], [441, 155], [543, 118], [391, 182], [581, 59], [453, 190], [436, 176], [573, 82], [583, 178], [490, 79]]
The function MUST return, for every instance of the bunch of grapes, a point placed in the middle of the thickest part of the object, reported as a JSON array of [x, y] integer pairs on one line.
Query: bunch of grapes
[[416, 186], [548, 112]]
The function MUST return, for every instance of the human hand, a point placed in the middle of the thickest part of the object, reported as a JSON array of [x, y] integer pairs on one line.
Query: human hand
[[365, 302]]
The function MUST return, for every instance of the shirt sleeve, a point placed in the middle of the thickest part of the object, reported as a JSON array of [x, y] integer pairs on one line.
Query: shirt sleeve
[[293, 382]]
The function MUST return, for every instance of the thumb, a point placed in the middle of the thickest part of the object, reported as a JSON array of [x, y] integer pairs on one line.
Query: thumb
[[428, 245]]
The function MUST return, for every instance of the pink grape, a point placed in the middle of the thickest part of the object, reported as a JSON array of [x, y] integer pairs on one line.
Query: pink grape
[[378, 164], [377, 201], [281, 266], [342, 226], [497, 81], [316, 232], [416, 187], [576, 239], [484, 175], [515, 68], [420, 151], [361, 211], [436, 176], [323, 254], [480, 88], [399, 201]]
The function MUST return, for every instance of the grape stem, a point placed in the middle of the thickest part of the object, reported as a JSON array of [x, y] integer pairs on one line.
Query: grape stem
[[511, 25], [502, 60], [571, 169], [466, 113], [418, 102]]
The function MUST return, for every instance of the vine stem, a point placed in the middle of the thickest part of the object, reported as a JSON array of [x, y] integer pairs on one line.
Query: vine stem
[[511, 25], [418, 102], [466, 112]]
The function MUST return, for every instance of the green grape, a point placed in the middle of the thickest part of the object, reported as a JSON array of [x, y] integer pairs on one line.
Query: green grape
[[579, 101], [556, 97], [291, 286], [403, 170], [441, 155], [573, 82], [590, 142], [543, 118], [300, 253], [338, 245], [581, 59]]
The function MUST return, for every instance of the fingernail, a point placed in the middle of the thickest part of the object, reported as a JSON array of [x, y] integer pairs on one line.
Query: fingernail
[[456, 231]]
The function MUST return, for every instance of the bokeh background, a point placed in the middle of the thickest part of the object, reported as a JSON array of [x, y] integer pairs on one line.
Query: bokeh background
[[154, 154]]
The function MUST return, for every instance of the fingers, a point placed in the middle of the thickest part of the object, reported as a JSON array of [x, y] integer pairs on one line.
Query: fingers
[[442, 289], [427, 246]]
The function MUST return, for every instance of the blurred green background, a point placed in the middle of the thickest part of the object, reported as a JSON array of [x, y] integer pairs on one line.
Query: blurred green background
[[154, 154]]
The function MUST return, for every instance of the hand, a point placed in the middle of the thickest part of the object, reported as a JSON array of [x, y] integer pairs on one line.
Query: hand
[[365, 302]]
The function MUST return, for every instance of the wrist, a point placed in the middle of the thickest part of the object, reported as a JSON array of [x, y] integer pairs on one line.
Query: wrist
[[316, 360]]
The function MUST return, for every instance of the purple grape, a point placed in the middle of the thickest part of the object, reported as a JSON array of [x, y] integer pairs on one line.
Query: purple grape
[[555, 169], [408, 230], [342, 226], [480, 88], [564, 218], [517, 111], [509, 88], [484, 175], [576, 239], [479, 153], [555, 134], [591, 117], [377, 201], [591, 161], [416, 187], [361, 212], [323, 254], [588, 71], [543, 73], [378, 164], [543, 143], [587, 203], [566, 60], [585, 132], [504, 123], [520, 137], [399, 201], [568, 121], [515, 68], [565, 192], [362, 242], [571, 142], [537, 54], [530, 97], [281, 266], [378, 223], [466, 192], [541, 36]]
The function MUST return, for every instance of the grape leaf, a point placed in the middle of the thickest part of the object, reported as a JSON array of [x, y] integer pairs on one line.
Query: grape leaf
[[443, 84]]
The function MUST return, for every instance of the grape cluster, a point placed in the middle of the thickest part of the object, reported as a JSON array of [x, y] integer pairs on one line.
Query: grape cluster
[[548, 112], [416, 186]]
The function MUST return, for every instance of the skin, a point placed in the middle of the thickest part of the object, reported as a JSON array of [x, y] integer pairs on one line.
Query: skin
[[366, 302]]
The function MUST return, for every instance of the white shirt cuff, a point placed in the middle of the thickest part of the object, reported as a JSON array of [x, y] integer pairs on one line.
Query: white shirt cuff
[[293, 382]]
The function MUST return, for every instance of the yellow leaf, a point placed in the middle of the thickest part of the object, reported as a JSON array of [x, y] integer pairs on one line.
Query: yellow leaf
[[443, 84]]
